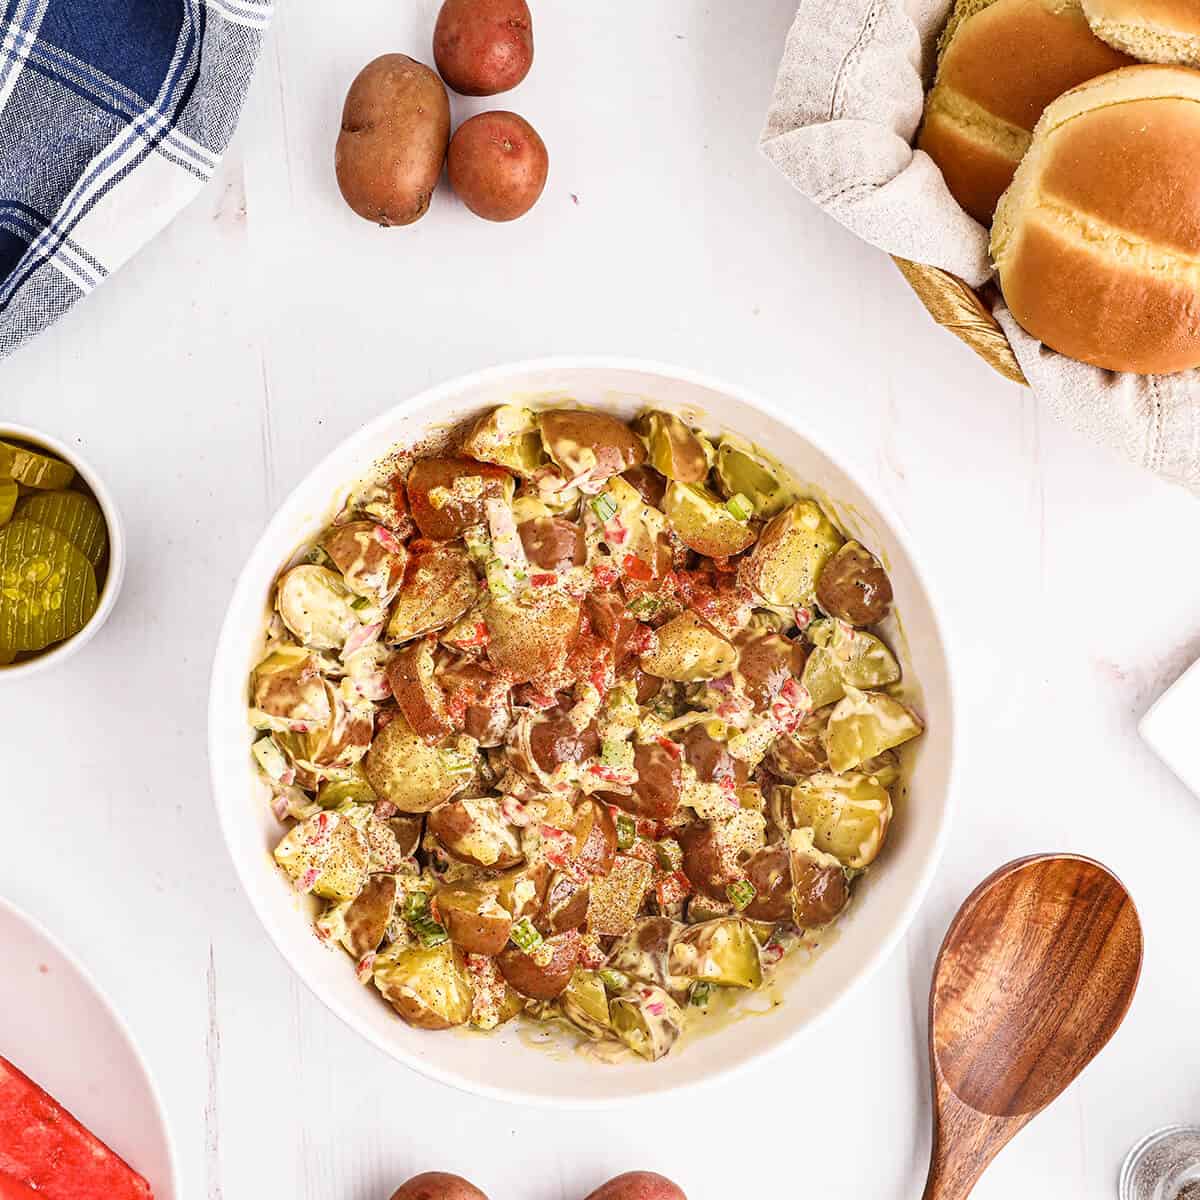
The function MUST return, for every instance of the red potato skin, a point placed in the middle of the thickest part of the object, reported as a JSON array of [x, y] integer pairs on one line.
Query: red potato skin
[[394, 133], [438, 1185], [498, 165], [483, 47], [636, 1185]]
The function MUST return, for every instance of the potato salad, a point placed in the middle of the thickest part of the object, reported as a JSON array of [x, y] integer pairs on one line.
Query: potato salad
[[580, 720]]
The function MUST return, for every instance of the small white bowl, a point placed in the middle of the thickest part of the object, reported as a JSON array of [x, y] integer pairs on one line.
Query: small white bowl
[[116, 553], [505, 1064]]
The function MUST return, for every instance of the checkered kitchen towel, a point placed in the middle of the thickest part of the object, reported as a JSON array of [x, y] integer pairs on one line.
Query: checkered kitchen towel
[[113, 114]]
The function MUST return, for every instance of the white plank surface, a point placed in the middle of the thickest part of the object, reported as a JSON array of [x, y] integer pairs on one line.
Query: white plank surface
[[268, 322]]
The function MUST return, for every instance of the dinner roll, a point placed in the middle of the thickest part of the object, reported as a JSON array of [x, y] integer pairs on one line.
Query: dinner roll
[[1005, 62], [1097, 241], [1157, 31]]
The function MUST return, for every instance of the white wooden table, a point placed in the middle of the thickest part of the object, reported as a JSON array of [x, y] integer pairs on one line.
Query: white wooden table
[[268, 322]]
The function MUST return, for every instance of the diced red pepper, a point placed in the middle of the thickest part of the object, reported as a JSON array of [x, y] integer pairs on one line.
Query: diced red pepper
[[674, 749], [543, 579], [636, 569]]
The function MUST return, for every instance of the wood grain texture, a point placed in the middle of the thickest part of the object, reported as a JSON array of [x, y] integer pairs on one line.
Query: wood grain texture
[[1036, 972]]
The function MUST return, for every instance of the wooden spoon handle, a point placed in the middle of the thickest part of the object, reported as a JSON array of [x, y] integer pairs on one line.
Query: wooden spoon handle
[[964, 1142]]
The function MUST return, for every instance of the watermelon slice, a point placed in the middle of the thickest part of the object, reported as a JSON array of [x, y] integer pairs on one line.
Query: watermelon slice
[[45, 1149], [13, 1189]]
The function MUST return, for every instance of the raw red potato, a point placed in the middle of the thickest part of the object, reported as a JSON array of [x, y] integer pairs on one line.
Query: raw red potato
[[638, 1185], [437, 1185], [483, 47], [44, 1147], [395, 128], [498, 165]]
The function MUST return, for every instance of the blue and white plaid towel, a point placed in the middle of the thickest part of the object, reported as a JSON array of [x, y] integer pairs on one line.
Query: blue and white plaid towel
[[113, 115]]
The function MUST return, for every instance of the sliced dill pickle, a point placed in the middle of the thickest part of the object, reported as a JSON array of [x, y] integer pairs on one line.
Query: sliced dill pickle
[[33, 469], [8, 499], [74, 514], [47, 587]]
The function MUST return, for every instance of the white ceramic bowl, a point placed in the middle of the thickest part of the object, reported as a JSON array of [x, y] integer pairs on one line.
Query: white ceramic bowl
[[505, 1064], [115, 576], [58, 1028]]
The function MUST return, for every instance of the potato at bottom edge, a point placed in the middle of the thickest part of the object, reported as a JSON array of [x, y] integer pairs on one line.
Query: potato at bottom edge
[[438, 1185], [634, 1185]]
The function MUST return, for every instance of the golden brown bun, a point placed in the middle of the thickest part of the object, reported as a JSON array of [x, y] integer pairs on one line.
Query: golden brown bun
[[1097, 241], [1156, 31], [1004, 63]]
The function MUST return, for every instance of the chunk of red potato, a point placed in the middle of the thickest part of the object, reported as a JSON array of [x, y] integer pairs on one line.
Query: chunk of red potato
[[412, 674], [335, 746], [633, 1185], [43, 1147], [566, 904], [854, 587], [644, 953], [791, 553], [709, 757], [437, 1185], [544, 973], [366, 919], [595, 838], [612, 623], [406, 770], [288, 684], [770, 872], [708, 860], [554, 740], [477, 700], [649, 484], [473, 830], [819, 887], [718, 598], [552, 543], [700, 519], [675, 449], [439, 586], [508, 436], [446, 496], [766, 661], [660, 778], [617, 897], [793, 755], [407, 831], [371, 559], [474, 920], [428, 988], [531, 639], [521, 890], [687, 649], [579, 441]]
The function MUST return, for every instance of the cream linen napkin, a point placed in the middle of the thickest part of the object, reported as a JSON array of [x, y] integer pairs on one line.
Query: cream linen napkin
[[847, 103]]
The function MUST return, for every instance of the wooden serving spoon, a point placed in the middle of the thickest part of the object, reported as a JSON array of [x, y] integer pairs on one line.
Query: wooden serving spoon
[[1036, 973]]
